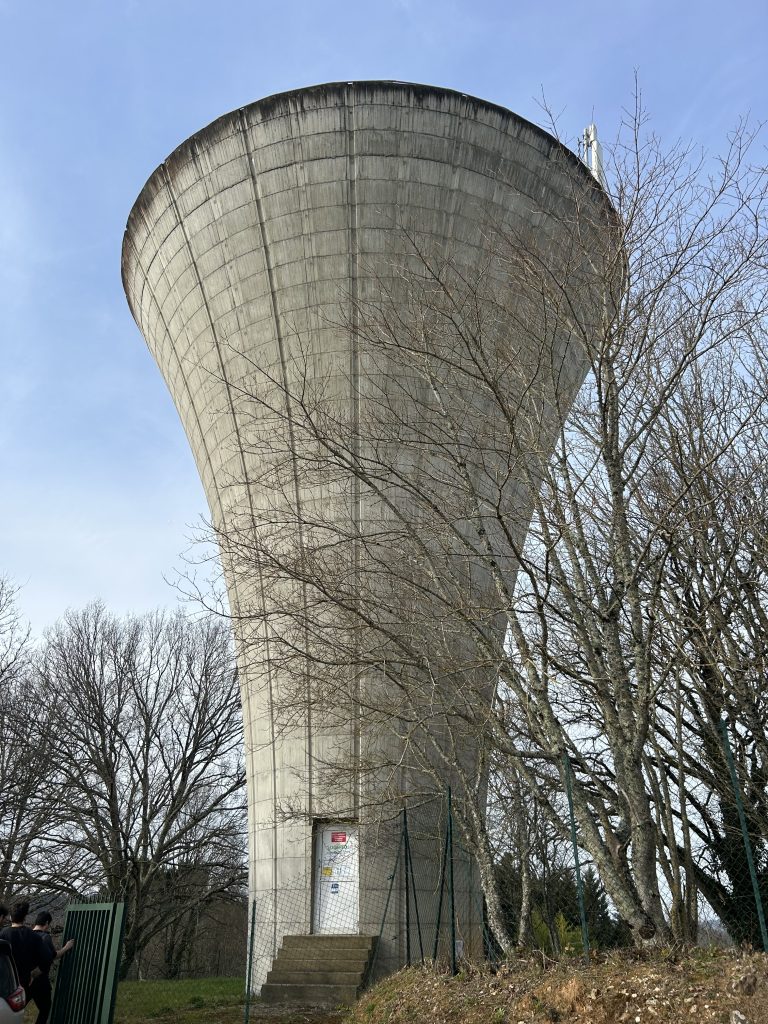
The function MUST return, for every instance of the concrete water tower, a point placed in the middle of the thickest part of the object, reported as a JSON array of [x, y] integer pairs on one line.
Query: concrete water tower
[[255, 239]]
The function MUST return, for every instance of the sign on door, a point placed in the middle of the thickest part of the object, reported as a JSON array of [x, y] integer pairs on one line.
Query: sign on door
[[337, 883]]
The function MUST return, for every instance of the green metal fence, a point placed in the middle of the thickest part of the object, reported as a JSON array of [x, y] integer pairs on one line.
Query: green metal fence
[[87, 979]]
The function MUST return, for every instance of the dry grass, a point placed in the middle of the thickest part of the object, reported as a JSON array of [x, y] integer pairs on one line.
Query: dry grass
[[707, 987]]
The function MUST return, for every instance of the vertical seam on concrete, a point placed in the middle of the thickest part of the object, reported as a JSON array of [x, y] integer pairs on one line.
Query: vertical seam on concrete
[[228, 390], [354, 376], [284, 369], [270, 685], [233, 286], [214, 332], [214, 480], [184, 376], [312, 325]]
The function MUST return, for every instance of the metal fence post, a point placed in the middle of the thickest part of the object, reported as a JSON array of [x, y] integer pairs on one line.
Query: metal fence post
[[407, 892], [414, 895], [440, 897], [249, 975], [745, 834], [579, 885], [452, 892], [386, 907]]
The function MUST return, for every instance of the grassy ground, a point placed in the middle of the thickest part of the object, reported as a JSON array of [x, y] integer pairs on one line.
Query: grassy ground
[[155, 1000], [704, 987], [201, 1001], [198, 1001]]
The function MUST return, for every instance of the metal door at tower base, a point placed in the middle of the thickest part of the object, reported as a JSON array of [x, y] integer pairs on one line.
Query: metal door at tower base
[[336, 904]]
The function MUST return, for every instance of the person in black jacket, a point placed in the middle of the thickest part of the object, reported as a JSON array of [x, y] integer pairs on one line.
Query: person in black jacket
[[40, 988], [26, 947], [31, 954]]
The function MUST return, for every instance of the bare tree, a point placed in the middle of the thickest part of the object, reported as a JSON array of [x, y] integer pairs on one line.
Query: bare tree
[[713, 630], [146, 750], [499, 604], [24, 764], [14, 635]]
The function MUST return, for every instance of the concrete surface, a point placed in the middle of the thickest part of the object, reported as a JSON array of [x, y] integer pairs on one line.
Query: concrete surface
[[244, 259]]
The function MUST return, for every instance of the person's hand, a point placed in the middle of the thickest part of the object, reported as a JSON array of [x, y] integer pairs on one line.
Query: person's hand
[[34, 973], [67, 946]]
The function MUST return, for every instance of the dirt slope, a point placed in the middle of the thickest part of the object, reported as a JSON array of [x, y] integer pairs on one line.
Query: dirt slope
[[704, 986]]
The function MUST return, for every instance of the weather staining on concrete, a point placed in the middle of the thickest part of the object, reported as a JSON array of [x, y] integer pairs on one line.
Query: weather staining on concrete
[[250, 252]]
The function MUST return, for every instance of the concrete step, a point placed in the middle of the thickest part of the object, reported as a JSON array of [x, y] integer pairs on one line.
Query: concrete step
[[319, 970], [327, 941], [356, 957], [279, 975], [309, 995]]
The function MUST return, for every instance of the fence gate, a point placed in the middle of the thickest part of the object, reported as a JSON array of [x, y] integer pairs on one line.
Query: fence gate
[[87, 980]]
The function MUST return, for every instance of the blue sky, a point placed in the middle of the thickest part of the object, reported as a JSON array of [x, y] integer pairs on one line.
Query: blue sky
[[99, 491]]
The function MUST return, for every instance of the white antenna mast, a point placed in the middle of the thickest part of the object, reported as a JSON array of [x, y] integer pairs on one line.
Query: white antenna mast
[[592, 153]]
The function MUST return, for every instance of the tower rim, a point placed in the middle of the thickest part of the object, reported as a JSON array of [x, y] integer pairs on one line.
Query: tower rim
[[418, 91]]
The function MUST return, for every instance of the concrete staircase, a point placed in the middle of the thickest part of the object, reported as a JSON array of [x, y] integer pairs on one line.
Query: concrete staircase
[[322, 970]]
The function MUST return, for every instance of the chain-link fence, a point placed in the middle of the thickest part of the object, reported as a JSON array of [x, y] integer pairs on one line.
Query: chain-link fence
[[198, 961], [422, 897], [415, 886], [711, 889], [407, 883]]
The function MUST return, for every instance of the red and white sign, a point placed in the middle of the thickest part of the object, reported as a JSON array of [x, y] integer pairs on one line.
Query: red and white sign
[[338, 838]]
